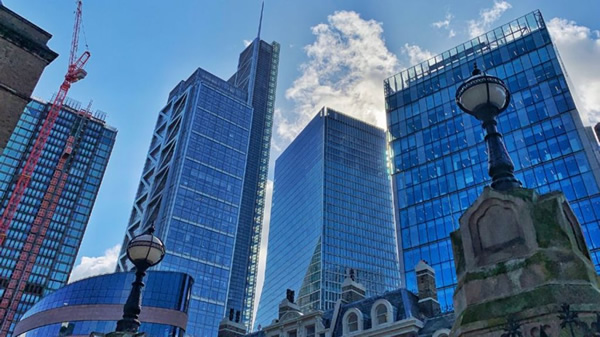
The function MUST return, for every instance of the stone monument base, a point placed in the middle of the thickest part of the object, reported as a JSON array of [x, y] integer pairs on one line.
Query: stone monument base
[[520, 256]]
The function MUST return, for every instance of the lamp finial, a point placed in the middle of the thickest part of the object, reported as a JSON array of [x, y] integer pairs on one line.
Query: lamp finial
[[476, 70], [151, 229]]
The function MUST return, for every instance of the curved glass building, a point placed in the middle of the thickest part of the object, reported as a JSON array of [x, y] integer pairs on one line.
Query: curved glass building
[[95, 304]]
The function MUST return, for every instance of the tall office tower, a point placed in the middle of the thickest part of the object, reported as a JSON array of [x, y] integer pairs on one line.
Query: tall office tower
[[257, 74], [438, 156], [92, 142], [332, 210], [24, 57], [203, 184]]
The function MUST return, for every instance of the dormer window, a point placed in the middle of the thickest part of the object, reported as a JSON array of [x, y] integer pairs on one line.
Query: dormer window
[[381, 312], [352, 322]]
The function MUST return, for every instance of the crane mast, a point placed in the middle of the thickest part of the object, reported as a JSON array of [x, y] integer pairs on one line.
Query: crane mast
[[28, 254]]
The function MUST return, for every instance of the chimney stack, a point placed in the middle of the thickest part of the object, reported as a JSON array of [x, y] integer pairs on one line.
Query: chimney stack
[[287, 305], [428, 303], [352, 291], [230, 328]]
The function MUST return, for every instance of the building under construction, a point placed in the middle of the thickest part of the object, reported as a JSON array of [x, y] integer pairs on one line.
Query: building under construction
[[48, 225]]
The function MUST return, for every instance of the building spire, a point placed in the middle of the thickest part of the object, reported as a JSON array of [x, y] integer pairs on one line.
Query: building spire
[[261, 17]]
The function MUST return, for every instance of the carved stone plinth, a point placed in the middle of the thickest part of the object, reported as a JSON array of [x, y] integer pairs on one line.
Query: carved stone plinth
[[520, 255]]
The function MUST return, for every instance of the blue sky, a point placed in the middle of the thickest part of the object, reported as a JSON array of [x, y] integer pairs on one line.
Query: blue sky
[[334, 52]]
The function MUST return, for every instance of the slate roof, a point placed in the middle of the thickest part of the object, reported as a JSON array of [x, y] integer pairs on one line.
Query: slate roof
[[403, 301], [442, 321]]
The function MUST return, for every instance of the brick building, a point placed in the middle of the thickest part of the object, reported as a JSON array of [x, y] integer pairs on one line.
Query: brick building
[[23, 56]]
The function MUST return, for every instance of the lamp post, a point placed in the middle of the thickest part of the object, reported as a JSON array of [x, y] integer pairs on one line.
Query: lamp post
[[144, 251], [485, 97]]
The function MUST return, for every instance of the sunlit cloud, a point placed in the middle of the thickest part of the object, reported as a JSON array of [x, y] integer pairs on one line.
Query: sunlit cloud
[[96, 265], [345, 69], [445, 24], [416, 54], [487, 17], [579, 48]]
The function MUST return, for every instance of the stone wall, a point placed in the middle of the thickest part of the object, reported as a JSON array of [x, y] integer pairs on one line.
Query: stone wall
[[23, 57]]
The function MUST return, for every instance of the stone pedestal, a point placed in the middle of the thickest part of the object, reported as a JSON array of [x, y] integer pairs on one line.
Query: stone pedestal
[[520, 255]]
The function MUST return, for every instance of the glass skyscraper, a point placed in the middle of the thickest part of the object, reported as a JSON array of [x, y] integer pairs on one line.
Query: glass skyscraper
[[257, 75], [332, 210], [204, 181], [438, 155], [93, 143]]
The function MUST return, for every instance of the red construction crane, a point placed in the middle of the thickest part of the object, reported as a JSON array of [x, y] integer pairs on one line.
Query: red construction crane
[[16, 285]]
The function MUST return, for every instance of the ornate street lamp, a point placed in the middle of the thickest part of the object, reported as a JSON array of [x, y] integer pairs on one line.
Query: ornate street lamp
[[144, 251], [485, 97]]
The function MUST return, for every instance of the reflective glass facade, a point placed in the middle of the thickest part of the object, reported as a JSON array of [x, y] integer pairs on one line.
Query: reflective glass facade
[[438, 155], [332, 210], [97, 295], [93, 144], [203, 184], [257, 74]]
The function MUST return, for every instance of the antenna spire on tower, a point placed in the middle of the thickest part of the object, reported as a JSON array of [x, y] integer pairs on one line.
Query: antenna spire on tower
[[261, 17]]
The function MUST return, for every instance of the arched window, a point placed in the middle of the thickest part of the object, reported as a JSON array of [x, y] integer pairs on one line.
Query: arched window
[[442, 333], [352, 322], [381, 312]]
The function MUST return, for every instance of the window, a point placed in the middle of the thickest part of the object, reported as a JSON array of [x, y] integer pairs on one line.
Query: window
[[292, 333], [381, 312], [352, 322], [310, 331]]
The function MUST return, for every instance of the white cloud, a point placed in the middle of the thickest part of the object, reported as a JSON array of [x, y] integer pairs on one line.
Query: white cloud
[[262, 257], [247, 43], [416, 54], [345, 69], [445, 24], [91, 266], [487, 17], [579, 48]]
